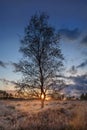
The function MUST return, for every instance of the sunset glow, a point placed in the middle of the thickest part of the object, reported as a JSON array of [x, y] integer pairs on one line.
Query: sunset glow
[[42, 96]]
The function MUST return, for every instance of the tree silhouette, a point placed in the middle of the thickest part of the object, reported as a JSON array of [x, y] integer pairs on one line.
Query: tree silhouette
[[4, 95], [42, 59], [83, 96]]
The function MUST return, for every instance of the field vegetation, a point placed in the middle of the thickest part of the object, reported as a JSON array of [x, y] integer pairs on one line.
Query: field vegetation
[[56, 115]]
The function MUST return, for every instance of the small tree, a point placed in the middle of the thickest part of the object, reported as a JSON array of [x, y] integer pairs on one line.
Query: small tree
[[42, 59]]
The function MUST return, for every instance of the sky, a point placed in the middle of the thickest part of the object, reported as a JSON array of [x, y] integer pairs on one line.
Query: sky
[[69, 17]]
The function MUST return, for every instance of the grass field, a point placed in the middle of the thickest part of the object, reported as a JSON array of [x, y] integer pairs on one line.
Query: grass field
[[56, 115]]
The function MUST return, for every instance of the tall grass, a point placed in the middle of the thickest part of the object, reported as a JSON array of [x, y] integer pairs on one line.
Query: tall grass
[[79, 120], [69, 116]]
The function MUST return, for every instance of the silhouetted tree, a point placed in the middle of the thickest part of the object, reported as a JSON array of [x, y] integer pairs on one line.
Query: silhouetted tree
[[83, 96], [4, 94], [42, 59]]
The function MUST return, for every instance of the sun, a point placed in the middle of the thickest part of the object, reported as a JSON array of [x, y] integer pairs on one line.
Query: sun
[[42, 96]]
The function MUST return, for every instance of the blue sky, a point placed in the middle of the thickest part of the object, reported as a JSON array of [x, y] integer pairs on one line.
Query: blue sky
[[69, 17]]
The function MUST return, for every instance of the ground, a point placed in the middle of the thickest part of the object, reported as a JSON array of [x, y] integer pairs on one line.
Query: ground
[[56, 115]]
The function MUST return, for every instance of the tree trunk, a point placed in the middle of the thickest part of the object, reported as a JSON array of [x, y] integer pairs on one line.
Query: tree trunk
[[42, 99], [42, 103]]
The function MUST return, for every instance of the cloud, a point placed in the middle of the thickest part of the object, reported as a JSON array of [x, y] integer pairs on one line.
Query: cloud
[[80, 83], [70, 34], [7, 82], [83, 64], [3, 64], [78, 86], [80, 80], [73, 70], [84, 41], [84, 53]]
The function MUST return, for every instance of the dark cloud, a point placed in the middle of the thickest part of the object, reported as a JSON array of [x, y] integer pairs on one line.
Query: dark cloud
[[80, 80], [17, 66], [83, 64], [84, 41], [73, 70], [70, 34], [79, 86], [74, 90], [3, 64]]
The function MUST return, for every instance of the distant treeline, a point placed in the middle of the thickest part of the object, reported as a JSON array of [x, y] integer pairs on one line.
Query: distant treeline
[[83, 96], [5, 95]]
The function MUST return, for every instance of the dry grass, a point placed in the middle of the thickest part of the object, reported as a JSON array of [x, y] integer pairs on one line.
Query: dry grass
[[57, 115], [79, 120]]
